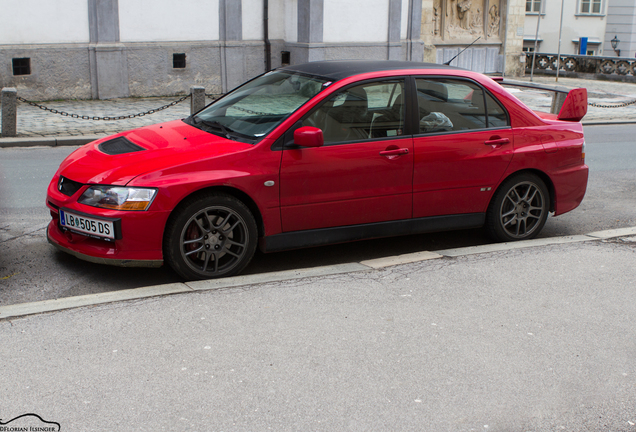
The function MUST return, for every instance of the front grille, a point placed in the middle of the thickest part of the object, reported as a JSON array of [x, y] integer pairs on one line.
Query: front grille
[[119, 145], [68, 187]]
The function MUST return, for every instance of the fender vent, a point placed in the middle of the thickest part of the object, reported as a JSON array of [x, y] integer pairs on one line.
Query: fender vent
[[118, 146]]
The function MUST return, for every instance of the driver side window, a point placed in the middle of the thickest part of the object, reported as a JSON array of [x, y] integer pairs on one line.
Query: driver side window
[[372, 110]]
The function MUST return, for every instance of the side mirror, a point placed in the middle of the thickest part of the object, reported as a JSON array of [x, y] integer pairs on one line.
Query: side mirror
[[308, 136]]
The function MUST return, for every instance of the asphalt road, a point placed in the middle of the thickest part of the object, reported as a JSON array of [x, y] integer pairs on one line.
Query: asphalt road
[[31, 269]]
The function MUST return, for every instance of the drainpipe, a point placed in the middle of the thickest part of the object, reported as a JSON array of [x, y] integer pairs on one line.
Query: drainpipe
[[409, 33], [268, 45]]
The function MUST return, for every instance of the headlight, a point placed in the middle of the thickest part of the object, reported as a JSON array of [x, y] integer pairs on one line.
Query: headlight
[[118, 198]]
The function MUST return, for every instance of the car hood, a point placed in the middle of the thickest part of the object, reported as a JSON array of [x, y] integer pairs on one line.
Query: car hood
[[144, 150]]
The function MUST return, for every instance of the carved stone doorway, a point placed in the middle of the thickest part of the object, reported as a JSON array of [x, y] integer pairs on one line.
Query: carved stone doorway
[[457, 23]]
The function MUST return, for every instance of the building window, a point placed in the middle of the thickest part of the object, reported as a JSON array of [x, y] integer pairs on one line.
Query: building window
[[178, 61], [534, 6], [590, 6], [21, 66]]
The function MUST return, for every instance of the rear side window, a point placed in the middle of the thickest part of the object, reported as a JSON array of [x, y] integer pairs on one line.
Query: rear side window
[[447, 105]]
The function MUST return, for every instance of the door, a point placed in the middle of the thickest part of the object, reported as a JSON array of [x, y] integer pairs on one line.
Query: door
[[462, 150], [364, 171]]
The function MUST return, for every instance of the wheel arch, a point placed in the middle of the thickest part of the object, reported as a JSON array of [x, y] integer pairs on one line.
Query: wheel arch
[[228, 190], [542, 175]]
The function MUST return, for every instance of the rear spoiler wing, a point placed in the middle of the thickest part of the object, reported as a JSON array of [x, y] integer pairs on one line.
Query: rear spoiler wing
[[570, 105]]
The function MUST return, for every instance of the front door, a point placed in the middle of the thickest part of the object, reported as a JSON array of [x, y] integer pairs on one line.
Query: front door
[[364, 171]]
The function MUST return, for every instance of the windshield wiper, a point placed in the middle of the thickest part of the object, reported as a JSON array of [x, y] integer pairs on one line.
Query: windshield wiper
[[226, 131]]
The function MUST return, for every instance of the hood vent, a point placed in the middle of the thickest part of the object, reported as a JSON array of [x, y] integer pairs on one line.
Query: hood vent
[[118, 146]]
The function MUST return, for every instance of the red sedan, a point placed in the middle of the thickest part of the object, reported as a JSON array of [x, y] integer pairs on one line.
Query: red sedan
[[320, 153]]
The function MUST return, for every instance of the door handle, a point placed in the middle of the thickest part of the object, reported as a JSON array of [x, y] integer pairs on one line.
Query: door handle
[[495, 141], [394, 152]]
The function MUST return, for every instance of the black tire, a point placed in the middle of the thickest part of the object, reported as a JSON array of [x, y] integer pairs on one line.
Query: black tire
[[209, 237], [519, 209]]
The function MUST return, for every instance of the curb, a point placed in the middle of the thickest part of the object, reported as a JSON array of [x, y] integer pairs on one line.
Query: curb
[[48, 141], [25, 309], [608, 122]]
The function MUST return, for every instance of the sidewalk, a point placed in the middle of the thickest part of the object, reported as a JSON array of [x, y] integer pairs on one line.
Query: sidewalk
[[540, 338], [35, 124], [598, 92]]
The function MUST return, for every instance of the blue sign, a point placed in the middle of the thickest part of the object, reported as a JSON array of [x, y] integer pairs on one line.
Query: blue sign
[[583, 46]]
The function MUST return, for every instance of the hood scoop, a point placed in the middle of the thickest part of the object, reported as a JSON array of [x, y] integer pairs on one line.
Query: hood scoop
[[118, 146]]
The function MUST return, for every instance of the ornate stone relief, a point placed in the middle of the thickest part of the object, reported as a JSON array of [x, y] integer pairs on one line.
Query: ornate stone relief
[[493, 20], [465, 19]]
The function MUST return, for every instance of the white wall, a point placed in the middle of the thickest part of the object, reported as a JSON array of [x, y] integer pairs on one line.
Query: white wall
[[167, 20], [37, 21], [356, 21], [405, 20], [592, 27], [253, 19], [283, 20]]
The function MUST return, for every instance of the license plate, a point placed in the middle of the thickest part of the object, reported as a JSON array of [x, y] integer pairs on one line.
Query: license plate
[[92, 227]]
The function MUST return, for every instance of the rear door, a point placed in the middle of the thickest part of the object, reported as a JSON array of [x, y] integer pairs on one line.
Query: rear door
[[364, 171], [463, 147]]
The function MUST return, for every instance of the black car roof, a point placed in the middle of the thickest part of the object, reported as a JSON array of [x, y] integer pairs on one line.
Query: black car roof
[[339, 69]]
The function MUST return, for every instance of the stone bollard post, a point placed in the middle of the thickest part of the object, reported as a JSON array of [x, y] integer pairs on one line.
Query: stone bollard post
[[9, 112], [557, 102], [197, 99]]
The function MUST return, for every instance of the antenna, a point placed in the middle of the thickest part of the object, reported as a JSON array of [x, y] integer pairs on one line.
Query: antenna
[[449, 62]]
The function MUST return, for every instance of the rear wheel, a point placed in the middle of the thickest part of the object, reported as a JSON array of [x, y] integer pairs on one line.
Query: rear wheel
[[211, 236], [518, 209]]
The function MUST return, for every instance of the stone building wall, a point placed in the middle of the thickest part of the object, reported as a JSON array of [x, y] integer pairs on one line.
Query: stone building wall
[[449, 26], [130, 47]]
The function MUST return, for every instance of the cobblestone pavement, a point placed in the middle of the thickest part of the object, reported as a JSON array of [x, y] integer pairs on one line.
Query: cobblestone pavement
[[35, 122], [599, 92]]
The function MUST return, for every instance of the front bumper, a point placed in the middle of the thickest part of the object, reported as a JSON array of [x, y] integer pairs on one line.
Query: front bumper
[[100, 260], [140, 244]]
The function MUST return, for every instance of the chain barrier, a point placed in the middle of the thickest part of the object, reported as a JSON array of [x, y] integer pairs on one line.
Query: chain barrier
[[620, 105], [106, 118]]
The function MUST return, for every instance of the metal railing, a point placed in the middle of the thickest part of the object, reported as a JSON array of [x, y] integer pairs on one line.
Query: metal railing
[[10, 101], [599, 65]]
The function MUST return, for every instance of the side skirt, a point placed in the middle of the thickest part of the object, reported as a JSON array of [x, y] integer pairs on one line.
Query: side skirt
[[324, 236]]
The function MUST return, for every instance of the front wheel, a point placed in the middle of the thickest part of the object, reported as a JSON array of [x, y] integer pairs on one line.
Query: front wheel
[[518, 209], [210, 237]]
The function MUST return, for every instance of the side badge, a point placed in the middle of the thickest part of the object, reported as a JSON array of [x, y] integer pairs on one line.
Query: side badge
[[269, 183]]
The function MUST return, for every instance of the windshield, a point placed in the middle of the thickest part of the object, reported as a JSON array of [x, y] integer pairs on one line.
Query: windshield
[[256, 108]]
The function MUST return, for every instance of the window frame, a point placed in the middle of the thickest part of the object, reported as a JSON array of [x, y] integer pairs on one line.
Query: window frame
[[590, 4], [535, 6], [415, 109], [286, 141]]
